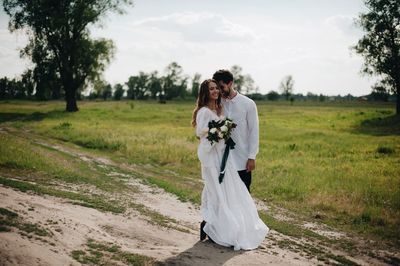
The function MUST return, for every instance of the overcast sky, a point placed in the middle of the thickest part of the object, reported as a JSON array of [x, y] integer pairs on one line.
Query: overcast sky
[[308, 39]]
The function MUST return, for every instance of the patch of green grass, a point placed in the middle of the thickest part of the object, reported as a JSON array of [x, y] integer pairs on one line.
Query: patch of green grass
[[157, 218], [85, 258], [17, 153], [63, 126], [310, 250], [180, 190], [100, 253], [109, 247], [99, 143], [341, 260], [8, 213], [314, 251], [10, 219], [33, 228], [7, 219], [4, 228], [136, 259], [289, 228], [96, 202]]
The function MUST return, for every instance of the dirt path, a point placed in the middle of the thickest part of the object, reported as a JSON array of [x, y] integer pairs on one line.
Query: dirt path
[[69, 227], [75, 224]]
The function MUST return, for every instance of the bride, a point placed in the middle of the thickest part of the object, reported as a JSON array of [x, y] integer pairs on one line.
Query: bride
[[229, 213]]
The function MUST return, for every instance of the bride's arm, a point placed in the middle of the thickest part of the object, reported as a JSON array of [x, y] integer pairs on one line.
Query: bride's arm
[[202, 119]]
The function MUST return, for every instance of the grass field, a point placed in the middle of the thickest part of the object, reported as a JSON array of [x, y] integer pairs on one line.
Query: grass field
[[338, 163]]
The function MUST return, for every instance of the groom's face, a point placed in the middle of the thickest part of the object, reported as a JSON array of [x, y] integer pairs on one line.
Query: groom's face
[[225, 88]]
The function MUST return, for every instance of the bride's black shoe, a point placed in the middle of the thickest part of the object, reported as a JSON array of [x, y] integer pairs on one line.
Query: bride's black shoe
[[202, 233]]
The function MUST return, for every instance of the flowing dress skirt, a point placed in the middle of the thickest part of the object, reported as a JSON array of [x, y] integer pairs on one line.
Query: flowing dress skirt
[[229, 210]]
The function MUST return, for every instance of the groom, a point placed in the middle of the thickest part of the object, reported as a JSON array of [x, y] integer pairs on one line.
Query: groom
[[243, 111]]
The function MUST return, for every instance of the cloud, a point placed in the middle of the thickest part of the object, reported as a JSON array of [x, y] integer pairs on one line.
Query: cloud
[[10, 44], [198, 27], [344, 24]]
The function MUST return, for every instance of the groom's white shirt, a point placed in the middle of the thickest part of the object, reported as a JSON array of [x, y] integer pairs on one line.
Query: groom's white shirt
[[243, 111]]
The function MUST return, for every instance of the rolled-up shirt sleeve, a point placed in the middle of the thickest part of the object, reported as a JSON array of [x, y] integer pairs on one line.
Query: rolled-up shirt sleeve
[[253, 127]]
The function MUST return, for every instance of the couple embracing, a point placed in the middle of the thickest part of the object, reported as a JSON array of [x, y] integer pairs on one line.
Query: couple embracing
[[226, 123]]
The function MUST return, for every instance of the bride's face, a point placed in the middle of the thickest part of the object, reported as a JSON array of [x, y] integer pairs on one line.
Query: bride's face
[[213, 91]]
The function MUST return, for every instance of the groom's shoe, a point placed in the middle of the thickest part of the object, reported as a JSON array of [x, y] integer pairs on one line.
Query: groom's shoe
[[202, 233]]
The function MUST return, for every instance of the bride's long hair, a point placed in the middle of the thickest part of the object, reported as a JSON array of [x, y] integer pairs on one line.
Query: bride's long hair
[[203, 99]]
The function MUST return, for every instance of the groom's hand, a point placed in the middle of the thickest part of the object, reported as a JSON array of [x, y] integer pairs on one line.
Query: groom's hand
[[251, 165]]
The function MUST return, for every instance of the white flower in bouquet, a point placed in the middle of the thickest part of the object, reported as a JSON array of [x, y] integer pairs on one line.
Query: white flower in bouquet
[[220, 130], [224, 129]]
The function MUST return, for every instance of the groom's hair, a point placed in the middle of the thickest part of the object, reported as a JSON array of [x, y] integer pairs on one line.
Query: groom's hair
[[223, 75]]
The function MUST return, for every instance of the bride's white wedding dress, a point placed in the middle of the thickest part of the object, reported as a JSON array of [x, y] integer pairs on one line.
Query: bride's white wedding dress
[[231, 215]]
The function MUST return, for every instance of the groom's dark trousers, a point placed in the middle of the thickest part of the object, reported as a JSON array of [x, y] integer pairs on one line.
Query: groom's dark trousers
[[246, 178]]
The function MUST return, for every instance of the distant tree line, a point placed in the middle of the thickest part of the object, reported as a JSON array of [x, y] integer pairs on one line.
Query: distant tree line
[[309, 96], [171, 85]]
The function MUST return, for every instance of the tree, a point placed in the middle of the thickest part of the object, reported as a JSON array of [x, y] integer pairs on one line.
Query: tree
[[101, 89], [132, 87], [175, 84], [380, 46], [196, 84], [248, 84], [256, 96], [118, 91], [272, 96], [142, 85], [60, 31], [155, 85], [286, 86], [243, 82], [379, 92], [12, 89], [3, 88], [138, 86], [311, 96], [182, 89], [44, 74], [107, 92], [28, 82], [238, 78]]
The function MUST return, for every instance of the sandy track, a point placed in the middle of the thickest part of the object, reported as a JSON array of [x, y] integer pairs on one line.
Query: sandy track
[[75, 224]]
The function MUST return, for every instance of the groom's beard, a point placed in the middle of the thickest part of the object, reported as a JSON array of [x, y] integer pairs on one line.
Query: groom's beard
[[226, 94]]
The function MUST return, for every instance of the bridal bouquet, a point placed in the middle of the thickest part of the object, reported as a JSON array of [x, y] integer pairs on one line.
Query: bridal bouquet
[[218, 130]]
